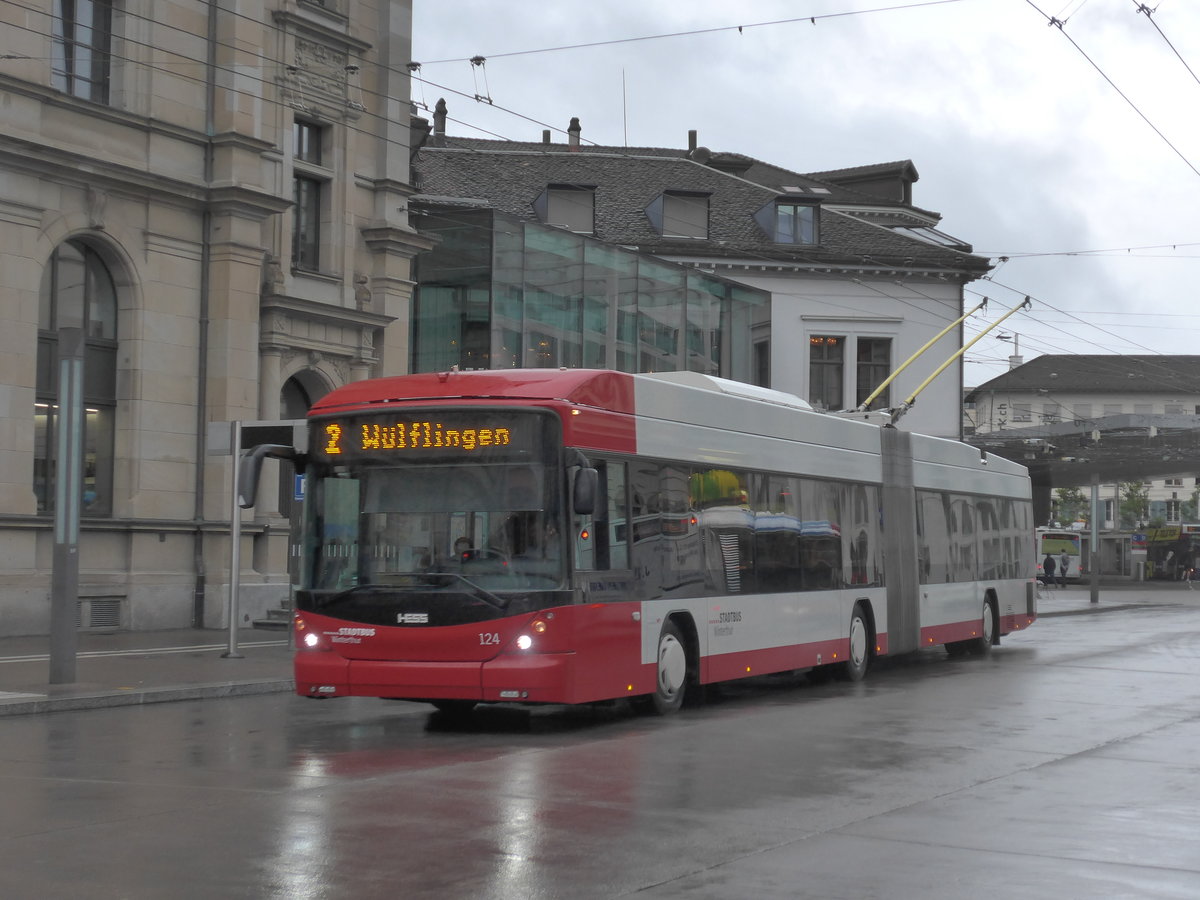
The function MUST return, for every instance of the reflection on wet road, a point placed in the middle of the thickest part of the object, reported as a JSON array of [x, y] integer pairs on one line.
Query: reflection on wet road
[[1061, 766]]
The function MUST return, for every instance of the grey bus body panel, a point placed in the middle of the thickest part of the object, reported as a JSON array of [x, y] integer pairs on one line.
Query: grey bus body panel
[[900, 541]]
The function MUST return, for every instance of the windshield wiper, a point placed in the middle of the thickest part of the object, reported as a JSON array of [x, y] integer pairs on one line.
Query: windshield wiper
[[342, 595], [482, 593]]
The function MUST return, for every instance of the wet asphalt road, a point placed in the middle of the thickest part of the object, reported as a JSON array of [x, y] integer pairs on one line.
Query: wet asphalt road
[[1063, 766]]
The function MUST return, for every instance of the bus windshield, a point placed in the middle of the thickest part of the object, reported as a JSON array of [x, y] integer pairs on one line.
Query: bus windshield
[[494, 526], [1056, 543]]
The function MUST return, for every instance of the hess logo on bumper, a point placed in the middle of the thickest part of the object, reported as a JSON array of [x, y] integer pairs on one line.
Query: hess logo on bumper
[[412, 618]]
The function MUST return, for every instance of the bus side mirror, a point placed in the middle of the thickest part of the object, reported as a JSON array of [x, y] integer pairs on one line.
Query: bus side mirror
[[250, 467], [584, 490]]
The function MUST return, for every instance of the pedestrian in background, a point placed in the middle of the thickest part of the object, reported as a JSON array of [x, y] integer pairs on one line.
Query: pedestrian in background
[[1064, 563], [1048, 571]]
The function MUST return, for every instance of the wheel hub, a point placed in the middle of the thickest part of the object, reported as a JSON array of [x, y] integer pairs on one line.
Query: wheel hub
[[672, 665]]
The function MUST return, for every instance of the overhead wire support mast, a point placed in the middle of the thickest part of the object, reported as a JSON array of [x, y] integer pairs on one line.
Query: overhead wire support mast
[[866, 404], [908, 404]]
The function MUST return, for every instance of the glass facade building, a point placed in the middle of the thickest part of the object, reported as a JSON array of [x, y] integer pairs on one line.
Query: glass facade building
[[498, 292]]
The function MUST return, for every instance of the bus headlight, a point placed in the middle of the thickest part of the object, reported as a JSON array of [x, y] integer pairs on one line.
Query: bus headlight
[[302, 636], [524, 642]]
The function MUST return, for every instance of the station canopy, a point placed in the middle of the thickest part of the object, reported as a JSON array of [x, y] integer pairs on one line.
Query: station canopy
[[1109, 449]]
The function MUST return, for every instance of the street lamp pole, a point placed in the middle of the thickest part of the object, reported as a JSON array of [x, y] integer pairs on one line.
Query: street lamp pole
[[68, 492], [235, 542], [1095, 539]]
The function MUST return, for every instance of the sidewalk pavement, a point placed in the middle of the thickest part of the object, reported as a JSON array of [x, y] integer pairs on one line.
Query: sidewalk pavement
[[130, 668], [1076, 599]]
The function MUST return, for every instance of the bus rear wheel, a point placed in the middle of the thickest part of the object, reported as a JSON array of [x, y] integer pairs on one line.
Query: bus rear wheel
[[858, 660], [670, 681], [982, 645]]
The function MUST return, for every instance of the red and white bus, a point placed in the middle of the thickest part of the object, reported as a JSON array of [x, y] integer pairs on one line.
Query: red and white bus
[[573, 536]]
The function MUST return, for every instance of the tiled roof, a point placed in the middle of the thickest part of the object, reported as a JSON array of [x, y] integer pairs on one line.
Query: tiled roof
[[511, 175], [747, 167], [1100, 374], [874, 169]]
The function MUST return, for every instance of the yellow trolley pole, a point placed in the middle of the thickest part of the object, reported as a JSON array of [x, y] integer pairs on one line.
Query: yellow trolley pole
[[865, 405], [908, 404]]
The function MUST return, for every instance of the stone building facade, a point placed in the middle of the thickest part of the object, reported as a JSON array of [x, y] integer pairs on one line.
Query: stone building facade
[[217, 196]]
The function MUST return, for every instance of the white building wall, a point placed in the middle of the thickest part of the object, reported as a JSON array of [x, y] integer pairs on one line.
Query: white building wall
[[996, 410], [805, 305]]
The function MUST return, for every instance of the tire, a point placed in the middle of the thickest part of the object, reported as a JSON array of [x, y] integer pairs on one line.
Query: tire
[[858, 661], [982, 645], [671, 673], [978, 646]]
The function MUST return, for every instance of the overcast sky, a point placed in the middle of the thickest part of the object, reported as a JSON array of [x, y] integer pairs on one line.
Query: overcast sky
[[1074, 151]]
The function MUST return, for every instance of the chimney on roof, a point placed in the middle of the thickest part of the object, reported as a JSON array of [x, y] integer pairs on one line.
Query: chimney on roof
[[439, 123], [418, 134], [1016, 360], [691, 140], [545, 135], [573, 133]]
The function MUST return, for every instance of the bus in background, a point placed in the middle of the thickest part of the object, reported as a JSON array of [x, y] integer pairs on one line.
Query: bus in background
[[1056, 542], [574, 536]]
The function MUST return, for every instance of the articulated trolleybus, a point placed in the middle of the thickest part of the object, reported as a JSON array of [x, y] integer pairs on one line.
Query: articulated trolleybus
[[574, 536]]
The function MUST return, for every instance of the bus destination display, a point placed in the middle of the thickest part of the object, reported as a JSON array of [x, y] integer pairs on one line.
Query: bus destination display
[[453, 435]]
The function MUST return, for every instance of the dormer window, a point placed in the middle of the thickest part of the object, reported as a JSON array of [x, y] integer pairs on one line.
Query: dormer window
[[568, 206], [789, 221], [679, 214], [795, 223]]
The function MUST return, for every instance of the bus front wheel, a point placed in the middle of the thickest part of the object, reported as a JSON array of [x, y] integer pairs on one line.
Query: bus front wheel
[[670, 682]]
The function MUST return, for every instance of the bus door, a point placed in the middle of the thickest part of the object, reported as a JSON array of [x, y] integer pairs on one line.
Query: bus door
[[602, 568]]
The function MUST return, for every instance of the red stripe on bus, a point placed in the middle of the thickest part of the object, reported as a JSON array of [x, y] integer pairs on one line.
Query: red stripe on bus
[[934, 635], [748, 663]]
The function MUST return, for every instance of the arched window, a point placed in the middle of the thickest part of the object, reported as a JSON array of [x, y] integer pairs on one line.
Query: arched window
[[77, 292]]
